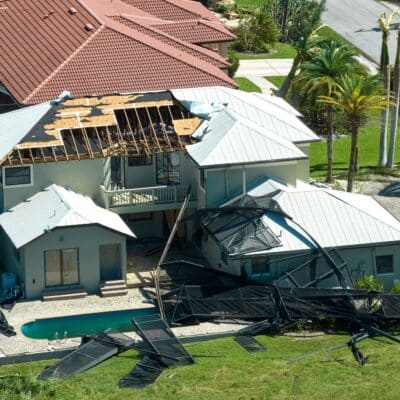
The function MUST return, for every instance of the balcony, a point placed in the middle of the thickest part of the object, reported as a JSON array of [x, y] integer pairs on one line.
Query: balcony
[[153, 198]]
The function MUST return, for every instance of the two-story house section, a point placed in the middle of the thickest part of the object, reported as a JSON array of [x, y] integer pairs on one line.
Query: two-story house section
[[136, 154]]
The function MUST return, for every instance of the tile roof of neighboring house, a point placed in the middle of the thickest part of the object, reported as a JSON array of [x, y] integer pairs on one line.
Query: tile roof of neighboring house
[[198, 31], [333, 218], [172, 10], [275, 115], [203, 53], [56, 207], [231, 140], [55, 46]]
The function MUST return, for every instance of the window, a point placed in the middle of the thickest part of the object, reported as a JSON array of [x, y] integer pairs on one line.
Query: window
[[61, 267], [384, 264], [167, 168], [17, 176], [140, 160], [260, 266]]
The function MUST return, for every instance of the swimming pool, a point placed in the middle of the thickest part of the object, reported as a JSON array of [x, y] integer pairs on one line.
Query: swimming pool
[[84, 324]]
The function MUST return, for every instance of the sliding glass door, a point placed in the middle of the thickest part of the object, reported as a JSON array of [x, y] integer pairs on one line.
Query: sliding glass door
[[168, 168], [61, 267]]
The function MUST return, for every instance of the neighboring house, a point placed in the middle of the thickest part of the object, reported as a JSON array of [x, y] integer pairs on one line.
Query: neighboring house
[[366, 235], [137, 154], [95, 47]]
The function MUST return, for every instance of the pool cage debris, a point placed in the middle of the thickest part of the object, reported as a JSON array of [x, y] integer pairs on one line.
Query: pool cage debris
[[188, 293]]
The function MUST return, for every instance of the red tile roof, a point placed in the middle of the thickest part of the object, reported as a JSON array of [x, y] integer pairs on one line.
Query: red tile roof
[[197, 31], [100, 47]]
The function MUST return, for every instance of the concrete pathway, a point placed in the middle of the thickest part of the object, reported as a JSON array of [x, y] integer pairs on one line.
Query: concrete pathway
[[357, 21], [256, 70], [264, 67]]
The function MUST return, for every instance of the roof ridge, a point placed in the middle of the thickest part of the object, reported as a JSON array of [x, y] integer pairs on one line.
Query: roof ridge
[[261, 129], [66, 61], [196, 62], [235, 94]]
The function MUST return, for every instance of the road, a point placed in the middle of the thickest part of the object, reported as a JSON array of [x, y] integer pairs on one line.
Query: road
[[356, 20]]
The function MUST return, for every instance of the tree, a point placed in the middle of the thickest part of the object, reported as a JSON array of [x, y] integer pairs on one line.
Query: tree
[[302, 28], [321, 75], [395, 106], [257, 32], [385, 25], [356, 95]]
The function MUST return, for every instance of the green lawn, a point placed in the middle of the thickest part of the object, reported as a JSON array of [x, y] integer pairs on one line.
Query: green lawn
[[329, 33], [276, 80], [225, 371], [246, 85], [250, 3], [368, 153], [280, 50]]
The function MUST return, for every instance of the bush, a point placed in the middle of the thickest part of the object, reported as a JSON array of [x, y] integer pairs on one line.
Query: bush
[[233, 59], [257, 32], [369, 282], [395, 289]]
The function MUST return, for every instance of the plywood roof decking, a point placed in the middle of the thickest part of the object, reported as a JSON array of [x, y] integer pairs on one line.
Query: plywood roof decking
[[93, 127]]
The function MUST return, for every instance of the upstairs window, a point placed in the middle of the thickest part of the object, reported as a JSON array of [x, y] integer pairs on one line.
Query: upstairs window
[[17, 176], [384, 264]]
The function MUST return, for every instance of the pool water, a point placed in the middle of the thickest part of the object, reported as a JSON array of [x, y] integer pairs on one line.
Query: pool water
[[84, 324]]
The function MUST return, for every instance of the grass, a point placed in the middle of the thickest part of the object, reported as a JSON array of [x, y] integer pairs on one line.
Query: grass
[[246, 85], [280, 50], [225, 371], [250, 3], [276, 80], [368, 153], [329, 33]]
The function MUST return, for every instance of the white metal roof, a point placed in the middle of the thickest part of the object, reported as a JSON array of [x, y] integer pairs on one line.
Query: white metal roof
[[271, 113], [230, 139], [15, 125], [56, 207], [333, 218]]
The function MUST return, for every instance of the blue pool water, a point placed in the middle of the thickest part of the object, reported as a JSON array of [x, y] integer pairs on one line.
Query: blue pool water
[[85, 324]]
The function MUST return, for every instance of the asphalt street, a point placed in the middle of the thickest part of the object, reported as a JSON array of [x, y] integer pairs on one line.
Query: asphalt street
[[357, 21]]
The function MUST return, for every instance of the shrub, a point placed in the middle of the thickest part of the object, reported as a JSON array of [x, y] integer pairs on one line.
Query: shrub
[[369, 282], [396, 289], [257, 32], [233, 59]]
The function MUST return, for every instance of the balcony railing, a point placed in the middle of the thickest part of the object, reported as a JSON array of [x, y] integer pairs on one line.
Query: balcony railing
[[142, 197]]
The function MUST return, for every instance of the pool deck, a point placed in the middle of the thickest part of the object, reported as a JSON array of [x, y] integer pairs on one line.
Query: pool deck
[[26, 311]]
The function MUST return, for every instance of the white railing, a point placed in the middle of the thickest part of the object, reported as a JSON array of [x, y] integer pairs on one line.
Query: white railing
[[149, 196]]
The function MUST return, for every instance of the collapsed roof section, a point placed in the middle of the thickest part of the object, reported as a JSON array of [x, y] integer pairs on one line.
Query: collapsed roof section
[[95, 127], [329, 218], [94, 47]]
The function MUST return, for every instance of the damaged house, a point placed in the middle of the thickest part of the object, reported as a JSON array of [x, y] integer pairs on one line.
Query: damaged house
[[94, 171]]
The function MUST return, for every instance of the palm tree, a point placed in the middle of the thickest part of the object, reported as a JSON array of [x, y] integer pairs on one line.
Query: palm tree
[[395, 106], [385, 24], [356, 95], [320, 76]]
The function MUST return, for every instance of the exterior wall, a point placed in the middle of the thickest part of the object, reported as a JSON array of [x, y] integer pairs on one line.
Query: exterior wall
[[83, 177], [218, 47], [223, 184], [142, 226], [360, 260], [87, 239], [10, 258], [145, 175], [303, 166]]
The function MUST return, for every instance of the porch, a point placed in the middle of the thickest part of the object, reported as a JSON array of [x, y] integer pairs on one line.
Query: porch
[[152, 198]]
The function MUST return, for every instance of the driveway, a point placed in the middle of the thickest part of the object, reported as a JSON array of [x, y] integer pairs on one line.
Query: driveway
[[357, 21]]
